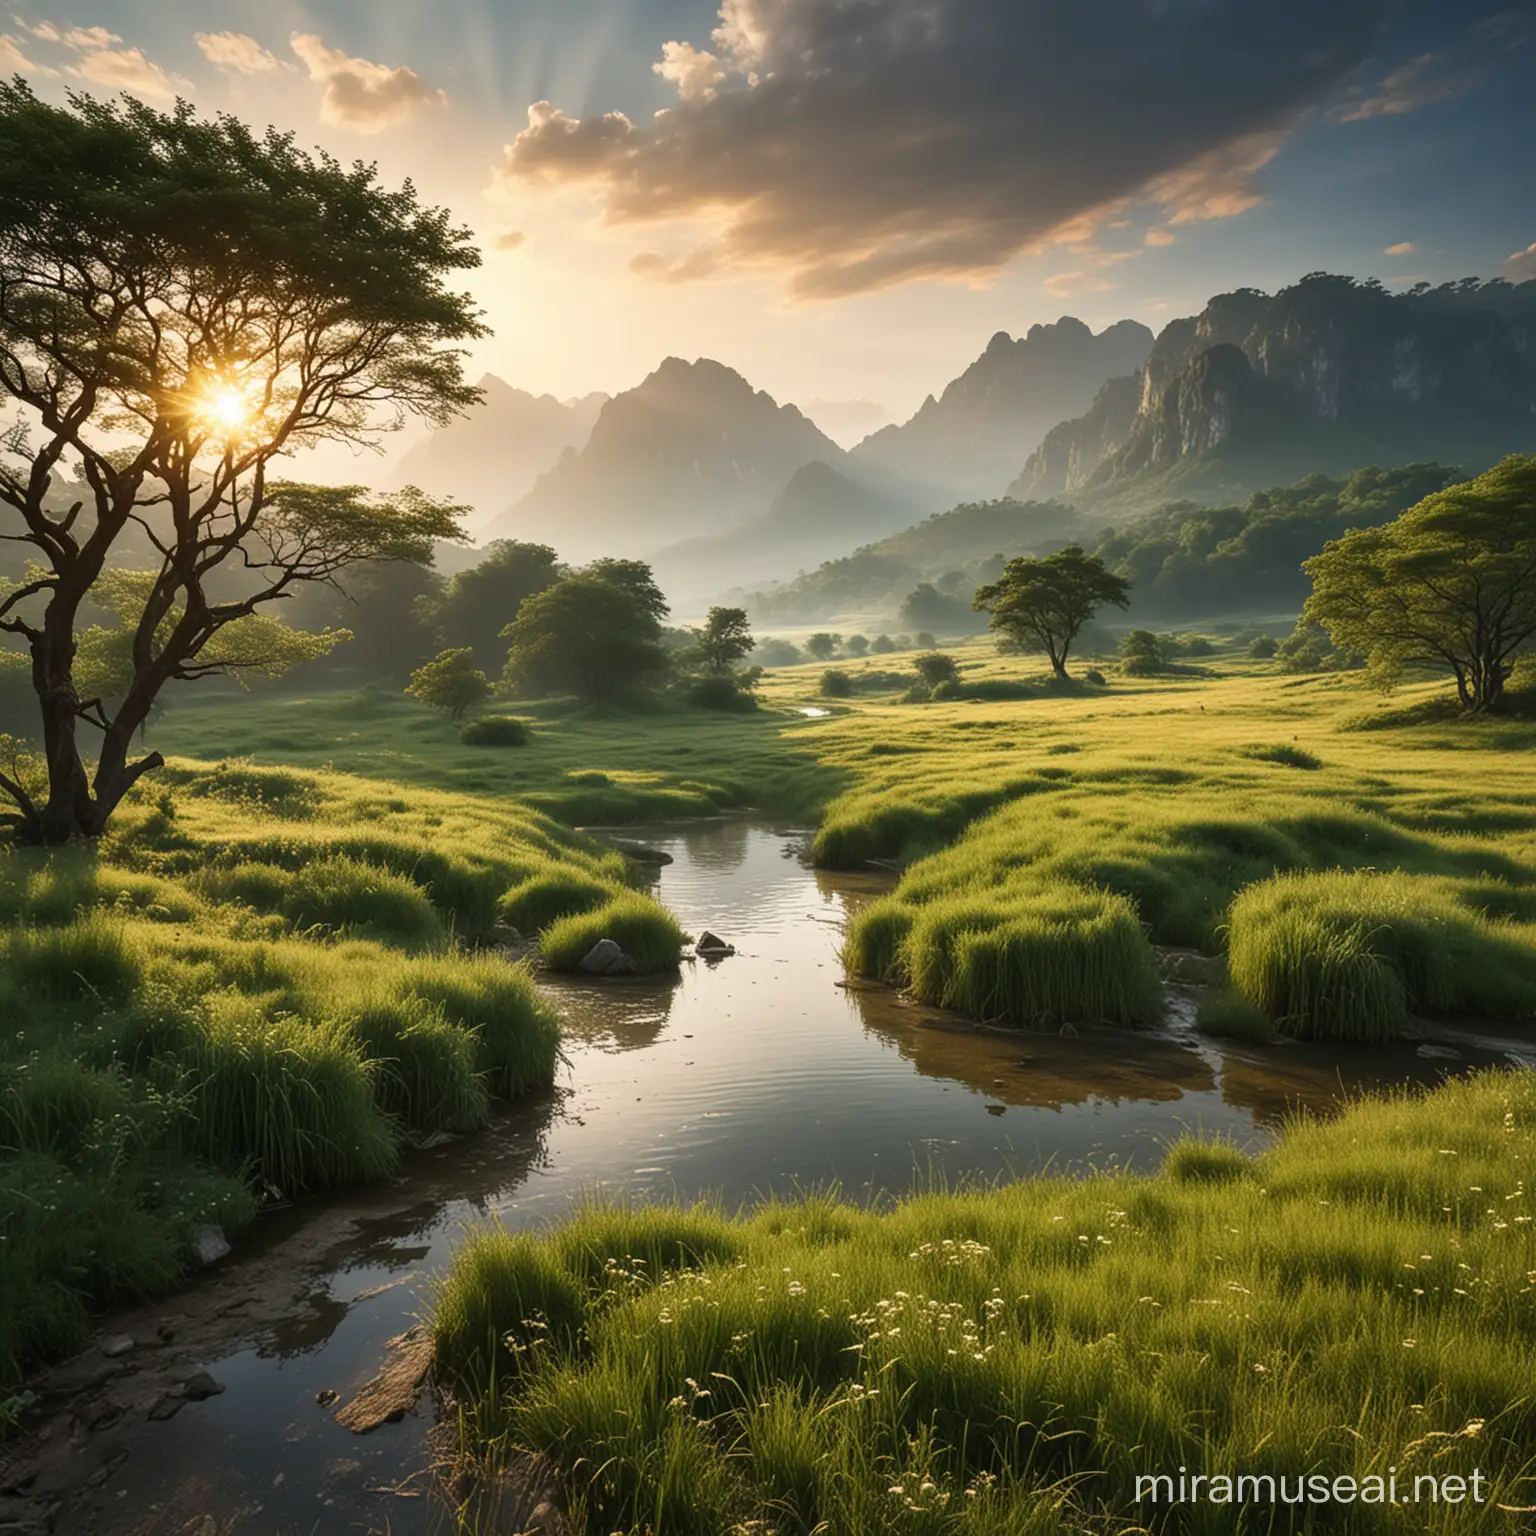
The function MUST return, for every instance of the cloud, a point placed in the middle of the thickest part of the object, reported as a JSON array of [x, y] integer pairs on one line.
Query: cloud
[[1156, 236], [1418, 83], [90, 37], [44, 31], [1523, 263], [1402, 248], [12, 60], [124, 69], [1067, 285], [237, 52], [852, 146], [359, 94], [513, 240]]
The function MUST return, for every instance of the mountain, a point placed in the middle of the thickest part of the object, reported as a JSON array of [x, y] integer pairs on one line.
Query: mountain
[[693, 450], [1328, 375], [821, 512], [968, 443], [848, 421], [494, 454]]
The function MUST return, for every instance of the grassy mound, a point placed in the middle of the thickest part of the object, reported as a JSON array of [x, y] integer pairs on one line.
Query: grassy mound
[[640, 926], [542, 899], [496, 731], [1356, 1299], [1346, 956]]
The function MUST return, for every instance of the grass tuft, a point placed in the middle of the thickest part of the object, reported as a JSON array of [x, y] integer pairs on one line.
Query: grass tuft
[[640, 926]]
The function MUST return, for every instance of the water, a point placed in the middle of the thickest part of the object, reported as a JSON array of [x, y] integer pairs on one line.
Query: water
[[760, 1072]]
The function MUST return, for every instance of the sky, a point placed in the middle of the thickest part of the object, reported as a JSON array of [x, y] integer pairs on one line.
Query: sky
[[844, 199]]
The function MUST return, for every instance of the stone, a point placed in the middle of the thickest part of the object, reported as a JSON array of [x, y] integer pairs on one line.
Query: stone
[[623, 966], [167, 1406], [199, 1386], [210, 1245], [711, 945], [118, 1344], [599, 959], [1439, 1053], [326, 1396]]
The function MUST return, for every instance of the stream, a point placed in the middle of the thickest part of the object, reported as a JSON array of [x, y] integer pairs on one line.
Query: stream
[[762, 1072]]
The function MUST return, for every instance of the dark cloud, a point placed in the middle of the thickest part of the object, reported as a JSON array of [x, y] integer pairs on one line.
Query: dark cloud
[[855, 144]]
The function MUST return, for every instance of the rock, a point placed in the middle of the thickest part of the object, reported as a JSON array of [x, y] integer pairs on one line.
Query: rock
[[326, 1396], [393, 1392], [623, 966], [199, 1386], [712, 946], [167, 1406], [118, 1344], [642, 854], [210, 1245], [1439, 1053], [598, 960]]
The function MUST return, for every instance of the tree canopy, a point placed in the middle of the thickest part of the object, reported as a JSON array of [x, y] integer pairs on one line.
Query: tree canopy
[[1449, 586], [450, 682], [1042, 605], [595, 633], [723, 639], [182, 301], [479, 603]]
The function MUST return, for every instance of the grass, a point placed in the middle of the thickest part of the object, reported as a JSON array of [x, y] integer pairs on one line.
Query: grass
[[1225, 1015], [1009, 1360], [261, 980], [1347, 956], [641, 927]]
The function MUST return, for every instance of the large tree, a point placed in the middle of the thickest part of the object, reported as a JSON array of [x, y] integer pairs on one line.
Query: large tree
[[596, 633], [181, 302], [479, 603], [1042, 605], [1450, 586]]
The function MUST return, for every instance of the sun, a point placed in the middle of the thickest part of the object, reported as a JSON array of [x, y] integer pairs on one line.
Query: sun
[[226, 409]]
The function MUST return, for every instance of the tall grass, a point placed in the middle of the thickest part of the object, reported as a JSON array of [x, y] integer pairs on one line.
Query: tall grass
[[1348, 956], [640, 926], [1355, 1299]]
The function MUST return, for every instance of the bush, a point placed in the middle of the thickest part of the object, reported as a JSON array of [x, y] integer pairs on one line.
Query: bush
[[1346, 956], [542, 899], [726, 691], [918, 693], [496, 731], [882, 645], [1094, 676], [935, 667], [948, 690], [1263, 647], [836, 684], [641, 927]]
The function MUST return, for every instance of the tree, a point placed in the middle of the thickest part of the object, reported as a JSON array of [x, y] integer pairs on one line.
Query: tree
[[856, 645], [1142, 654], [596, 634], [1041, 605], [926, 608], [882, 645], [182, 302], [1448, 586], [479, 603], [822, 646], [450, 682], [724, 639], [935, 667]]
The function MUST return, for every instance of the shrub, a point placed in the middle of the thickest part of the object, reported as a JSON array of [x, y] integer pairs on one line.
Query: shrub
[[541, 899], [918, 693], [948, 690], [1347, 955], [1094, 676], [1284, 753], [836, 684], [724, 691], [641, 927], [1263, 647], [1230, 1016], [496, 731], [935, 667]]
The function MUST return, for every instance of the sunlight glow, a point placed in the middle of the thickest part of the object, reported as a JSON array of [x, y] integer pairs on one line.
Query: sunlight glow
[[227, 409]]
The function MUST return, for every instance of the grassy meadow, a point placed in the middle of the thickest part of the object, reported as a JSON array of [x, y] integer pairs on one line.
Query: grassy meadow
[[262, 982], [1357, 1299]]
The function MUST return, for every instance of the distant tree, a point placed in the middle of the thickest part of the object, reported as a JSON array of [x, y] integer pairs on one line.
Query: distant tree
[[836, 684], [935, 667], [181, 303], [450, 682], [1263, 647], [1448, 586], [1041, 605], [478, 604], [1142, 654], [774, 652], [926, 608], [381, 603], [856, 645], [822, 645], [723, 639], [925, 638], [882, 645], [596, 634], [904, 642]]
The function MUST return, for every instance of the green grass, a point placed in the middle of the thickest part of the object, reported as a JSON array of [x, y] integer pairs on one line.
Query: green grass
[[1223, 1015], [1347, 956], [1003, 1361], [640, 926]]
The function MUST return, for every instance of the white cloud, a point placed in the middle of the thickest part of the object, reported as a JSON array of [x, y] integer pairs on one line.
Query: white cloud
[[12, 60], [90, 37], [1523, 263], [1220, 183], [1415, 84], [358, 93], [1402, 248], [124, 69], [44, 31], [695, 74], [1067, 285], [1157, 236], [236, 51]]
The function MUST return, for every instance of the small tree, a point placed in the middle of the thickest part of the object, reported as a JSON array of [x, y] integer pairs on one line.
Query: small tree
[[596, 634], [935, 667], [883, 645], [450, 682], [925, 639], [182, 302], [1142, 653], [856, 645], [1449, 586], [836, 684], [822, 646], [1042, 605], [724, 639]]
